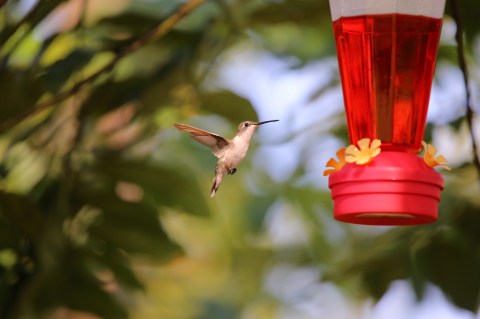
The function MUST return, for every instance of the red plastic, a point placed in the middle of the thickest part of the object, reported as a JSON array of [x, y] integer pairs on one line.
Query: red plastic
[[386, 65], [396, 188]]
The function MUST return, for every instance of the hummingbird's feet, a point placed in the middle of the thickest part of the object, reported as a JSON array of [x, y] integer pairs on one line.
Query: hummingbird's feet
[[232, 171]]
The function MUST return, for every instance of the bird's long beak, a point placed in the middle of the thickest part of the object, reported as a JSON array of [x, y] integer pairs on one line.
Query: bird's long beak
[[260, 123]]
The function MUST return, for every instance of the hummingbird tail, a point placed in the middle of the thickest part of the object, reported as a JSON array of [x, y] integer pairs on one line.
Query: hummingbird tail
[[214, 188], [219, 173]]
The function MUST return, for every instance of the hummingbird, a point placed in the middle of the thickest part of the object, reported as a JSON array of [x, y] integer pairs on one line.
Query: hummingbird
[[229, 152]]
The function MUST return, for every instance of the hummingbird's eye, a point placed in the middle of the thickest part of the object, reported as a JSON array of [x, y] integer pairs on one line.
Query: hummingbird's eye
[[247, 124]]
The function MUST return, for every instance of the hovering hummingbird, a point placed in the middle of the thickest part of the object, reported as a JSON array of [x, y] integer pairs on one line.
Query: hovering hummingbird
[[229, 152]]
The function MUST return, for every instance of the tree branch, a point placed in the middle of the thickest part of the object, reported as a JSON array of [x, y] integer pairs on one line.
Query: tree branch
[[156, 33], [468, 95]]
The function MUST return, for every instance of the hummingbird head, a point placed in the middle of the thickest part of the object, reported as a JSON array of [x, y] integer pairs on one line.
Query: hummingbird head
[[247, 128]]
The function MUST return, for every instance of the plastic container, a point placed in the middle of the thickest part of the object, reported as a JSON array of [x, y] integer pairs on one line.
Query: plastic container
[[386, 54]]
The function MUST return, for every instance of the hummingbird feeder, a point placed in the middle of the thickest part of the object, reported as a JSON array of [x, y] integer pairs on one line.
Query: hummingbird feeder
[[386, 53]]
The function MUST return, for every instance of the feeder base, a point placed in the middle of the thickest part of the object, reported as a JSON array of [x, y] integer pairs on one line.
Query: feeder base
[[397, 188]]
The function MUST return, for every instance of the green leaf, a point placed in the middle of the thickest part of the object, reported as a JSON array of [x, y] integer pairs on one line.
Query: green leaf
[[21, 89], [229, 105], [73, 284], [133, 227], [35, 16], [214, 309], [128, 22], [455, 270], [469, 18], [452, 258], [113, 94], [304, 43], [58, 73], [257, 211], [22, 214], [160, 8], [168, 186], [293, 11], [119, 265]]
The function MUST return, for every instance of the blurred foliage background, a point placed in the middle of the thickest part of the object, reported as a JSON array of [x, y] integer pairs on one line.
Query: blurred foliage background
[[105, 208]]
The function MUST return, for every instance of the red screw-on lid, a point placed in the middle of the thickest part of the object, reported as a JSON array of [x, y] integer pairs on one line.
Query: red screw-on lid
[[396, 188]]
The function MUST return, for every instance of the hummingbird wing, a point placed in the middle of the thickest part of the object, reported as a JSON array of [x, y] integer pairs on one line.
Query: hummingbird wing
[[217, 143]]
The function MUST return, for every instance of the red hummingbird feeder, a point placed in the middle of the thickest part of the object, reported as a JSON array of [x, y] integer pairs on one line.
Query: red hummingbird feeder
[[386, 54]]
